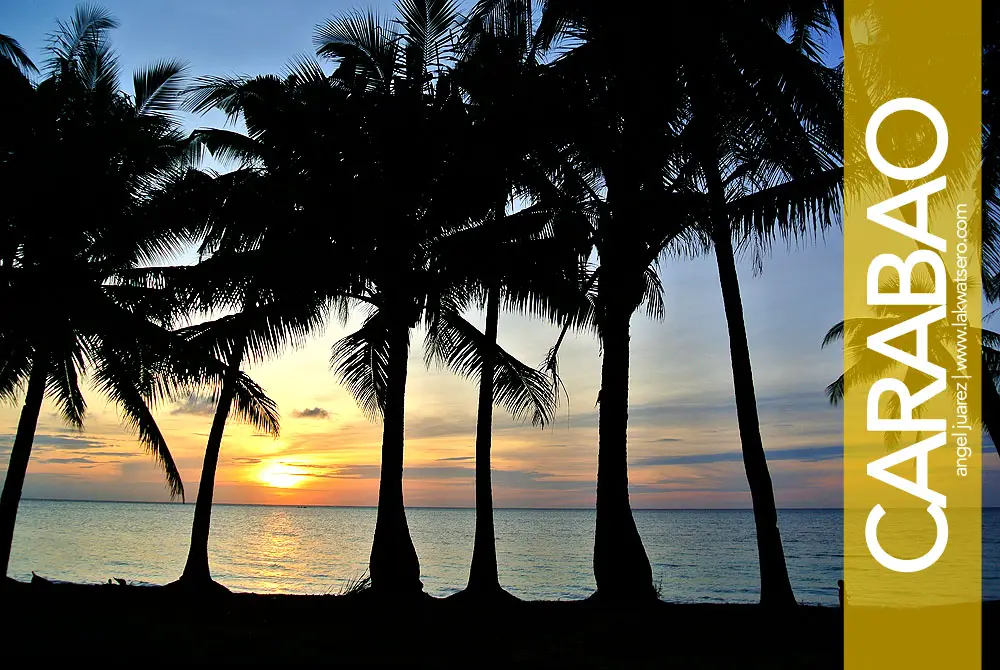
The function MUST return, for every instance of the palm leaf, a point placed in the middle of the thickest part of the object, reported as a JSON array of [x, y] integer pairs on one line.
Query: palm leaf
[[361, 362], [365, 45], [64, 385], [159, 88], [11, 49], [124, 378], [521, 390], [252, 406], [84, 31]]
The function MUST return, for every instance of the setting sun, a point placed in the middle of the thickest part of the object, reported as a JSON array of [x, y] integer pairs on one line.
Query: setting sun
[[279, 475]]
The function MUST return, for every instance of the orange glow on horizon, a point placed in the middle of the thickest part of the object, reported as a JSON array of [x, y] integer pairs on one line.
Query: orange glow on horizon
[[280, 475]]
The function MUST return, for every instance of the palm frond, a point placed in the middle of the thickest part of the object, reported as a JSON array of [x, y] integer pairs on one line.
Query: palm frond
[[521, 390], [364, 44], [251, 405], [11, 49], [835, 334], [361, 362], [64, 385], [85, 30], [229, 147], [123, 376], [835, 391], [15, 366], [159, 88], [214, 92], [427, 30]]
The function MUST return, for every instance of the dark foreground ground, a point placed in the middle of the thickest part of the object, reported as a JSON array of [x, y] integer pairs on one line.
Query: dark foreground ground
[[142, 626]]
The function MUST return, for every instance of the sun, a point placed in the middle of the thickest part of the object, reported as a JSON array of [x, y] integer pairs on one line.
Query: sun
[[281, 476]]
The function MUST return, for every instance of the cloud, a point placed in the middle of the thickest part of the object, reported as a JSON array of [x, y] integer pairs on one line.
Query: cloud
[[808, 454], [312, 413], [458, 458], [509, 479], [247, 461], [337, 471], [74, 459], [59, 441], [195, 404]]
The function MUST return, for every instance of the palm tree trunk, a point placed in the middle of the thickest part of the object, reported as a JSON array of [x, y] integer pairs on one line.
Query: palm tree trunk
[[775, 588], [393, 565], [483, 574], [196, 570], [20, 453], [621, 567]]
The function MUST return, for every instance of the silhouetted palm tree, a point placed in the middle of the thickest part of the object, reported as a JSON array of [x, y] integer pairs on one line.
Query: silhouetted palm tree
[[418, 138], [507, 262], [704, 125], [524, 261], [269, 318], [764, 135], [69, 310], [615, 115], [268, 218]]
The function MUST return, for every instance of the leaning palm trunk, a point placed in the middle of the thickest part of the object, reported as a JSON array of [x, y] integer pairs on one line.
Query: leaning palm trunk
[[20, 453], [621, 567], [393, 566], [775, 588], [196, 570], [483, 574]]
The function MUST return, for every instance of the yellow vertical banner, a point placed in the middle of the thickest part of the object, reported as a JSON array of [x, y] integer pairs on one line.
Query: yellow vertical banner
[[912, 314]]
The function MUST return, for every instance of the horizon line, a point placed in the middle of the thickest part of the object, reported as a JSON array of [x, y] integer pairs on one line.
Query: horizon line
[[443, 507]]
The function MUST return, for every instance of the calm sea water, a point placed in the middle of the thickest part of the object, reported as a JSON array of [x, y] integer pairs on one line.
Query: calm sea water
[[697, 555]]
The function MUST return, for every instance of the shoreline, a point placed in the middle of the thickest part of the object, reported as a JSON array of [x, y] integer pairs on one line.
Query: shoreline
[[109, 623]]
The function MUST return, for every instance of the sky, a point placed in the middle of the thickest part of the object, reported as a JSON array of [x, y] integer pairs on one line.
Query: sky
[[684, 447]]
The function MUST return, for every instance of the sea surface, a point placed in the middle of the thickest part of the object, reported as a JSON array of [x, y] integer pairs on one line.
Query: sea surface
[[706, 556]]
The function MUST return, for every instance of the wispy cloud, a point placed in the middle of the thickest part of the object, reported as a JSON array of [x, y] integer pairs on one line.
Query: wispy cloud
[[195, 404], [59, 441], [75, 459], [808, 454], [311, 413]]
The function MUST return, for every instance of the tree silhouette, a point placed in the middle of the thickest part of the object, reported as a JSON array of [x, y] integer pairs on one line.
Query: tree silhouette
[[615, 140], [525, 261], [70, 309], [763, 136]]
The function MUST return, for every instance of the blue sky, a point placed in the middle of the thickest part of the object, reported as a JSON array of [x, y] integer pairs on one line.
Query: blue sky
[[684, 444]]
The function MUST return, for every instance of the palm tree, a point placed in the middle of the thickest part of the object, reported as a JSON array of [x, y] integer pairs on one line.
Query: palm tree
[[530, 279], [707, 120], [69, 309], [770, 167], [522, 261], [385, 128], [268, 319], [269, 213], [413, 133], [614, 141]]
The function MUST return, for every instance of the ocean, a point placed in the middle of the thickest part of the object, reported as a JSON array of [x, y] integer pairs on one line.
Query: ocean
[[698, 556]]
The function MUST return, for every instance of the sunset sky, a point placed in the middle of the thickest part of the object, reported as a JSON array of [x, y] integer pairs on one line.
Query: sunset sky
[[684, 442]]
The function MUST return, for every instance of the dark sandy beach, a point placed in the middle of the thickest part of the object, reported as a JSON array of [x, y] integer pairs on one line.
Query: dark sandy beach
[[142, 625]]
